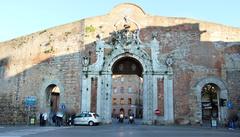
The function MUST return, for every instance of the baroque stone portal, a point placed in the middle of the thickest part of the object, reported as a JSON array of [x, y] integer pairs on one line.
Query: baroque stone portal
[[125, 47]]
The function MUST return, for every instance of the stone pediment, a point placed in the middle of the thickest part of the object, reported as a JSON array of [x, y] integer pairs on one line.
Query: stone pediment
[[127, 9]]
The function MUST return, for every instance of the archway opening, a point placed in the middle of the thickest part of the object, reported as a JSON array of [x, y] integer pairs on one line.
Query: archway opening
[[210, 101], [127, 87], [127, 66], [53, 97]]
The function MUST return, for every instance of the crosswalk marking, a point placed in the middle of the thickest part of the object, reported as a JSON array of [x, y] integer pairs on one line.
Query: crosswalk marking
[[24, 132]]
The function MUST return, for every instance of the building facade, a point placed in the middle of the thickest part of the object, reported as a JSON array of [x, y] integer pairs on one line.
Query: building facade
[[190, 68], [127, 95]]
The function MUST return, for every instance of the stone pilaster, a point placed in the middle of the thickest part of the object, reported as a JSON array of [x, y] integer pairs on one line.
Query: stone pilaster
[[86, 93], [148, 99], [168, 99]]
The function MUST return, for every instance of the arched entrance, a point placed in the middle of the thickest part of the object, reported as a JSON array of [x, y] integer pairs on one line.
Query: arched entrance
[[127, 66], [210, 101], [53, 97], [210, 93], [127, 88]]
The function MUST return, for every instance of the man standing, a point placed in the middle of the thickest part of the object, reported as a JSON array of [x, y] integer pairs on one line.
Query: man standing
[[45, 117], [41, 119]]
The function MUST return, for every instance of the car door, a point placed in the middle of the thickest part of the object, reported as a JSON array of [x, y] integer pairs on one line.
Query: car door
[[86, 118], [79, 119]]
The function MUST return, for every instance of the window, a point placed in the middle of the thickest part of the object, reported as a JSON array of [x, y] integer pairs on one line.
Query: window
[[122, 89], [88, 115], [114, 89], [114, 101], [81, 115], [122, 79], [129, 89], [122, 101], [129, 101]]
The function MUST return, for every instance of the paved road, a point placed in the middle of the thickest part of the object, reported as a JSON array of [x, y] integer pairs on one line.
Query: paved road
[[117, 130]]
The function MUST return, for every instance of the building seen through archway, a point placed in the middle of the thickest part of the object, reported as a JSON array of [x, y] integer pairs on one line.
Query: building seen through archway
[[127, 87], [127, 95], [210, 102]]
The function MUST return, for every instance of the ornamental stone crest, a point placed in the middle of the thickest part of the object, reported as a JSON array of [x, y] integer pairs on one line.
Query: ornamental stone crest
[[126, 33], [85, 63]]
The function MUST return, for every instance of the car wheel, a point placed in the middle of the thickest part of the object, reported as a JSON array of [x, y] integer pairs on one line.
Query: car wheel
[[90, 123]]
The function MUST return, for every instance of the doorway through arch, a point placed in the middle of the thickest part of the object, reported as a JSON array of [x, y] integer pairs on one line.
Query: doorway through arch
[[127, 87], [210, 102], [53, 98]]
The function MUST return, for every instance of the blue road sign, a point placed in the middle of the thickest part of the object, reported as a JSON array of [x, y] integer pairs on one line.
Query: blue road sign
[[30, 101], [229, 104], [62, 106]]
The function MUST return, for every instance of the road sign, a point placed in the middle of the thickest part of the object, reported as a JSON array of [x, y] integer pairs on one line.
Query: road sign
[[30, 101], [229, 104], [62, 106]]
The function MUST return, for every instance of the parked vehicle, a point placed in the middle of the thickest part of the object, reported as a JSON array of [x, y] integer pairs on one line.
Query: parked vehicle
[[87, 118]]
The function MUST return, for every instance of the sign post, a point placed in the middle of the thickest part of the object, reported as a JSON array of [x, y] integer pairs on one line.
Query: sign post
[[30, 101]]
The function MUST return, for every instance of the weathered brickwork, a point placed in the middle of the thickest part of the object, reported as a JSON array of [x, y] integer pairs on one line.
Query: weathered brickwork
[[93, 95], [160, 97], [202, 52]]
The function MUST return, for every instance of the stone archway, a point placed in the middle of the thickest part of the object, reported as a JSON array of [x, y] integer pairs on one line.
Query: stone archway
[[125, 44], [105, 104], [53, 97], [222, 95], [210, 101], [127, 65], [50, 85], [127, 85]]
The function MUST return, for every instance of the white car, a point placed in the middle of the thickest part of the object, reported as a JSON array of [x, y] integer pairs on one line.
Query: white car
[[87, 118]]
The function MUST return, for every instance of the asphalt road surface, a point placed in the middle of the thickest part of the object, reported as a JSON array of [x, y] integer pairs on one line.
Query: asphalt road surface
[[117, 130]]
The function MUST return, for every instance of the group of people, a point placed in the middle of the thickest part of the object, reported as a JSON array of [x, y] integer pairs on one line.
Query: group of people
[[57, 119], [130, 117]]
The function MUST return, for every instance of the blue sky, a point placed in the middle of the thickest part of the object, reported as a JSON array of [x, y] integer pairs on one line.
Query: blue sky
[[21, 17]]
